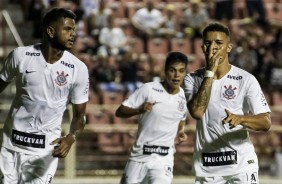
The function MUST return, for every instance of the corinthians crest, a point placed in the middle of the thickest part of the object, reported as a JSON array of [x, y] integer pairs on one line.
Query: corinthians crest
[[229, 92], [61, 79], [181, 105]]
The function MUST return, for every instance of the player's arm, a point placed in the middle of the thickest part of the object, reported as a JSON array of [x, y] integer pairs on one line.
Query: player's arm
[[181, 135], [8, 72], [198, 104], [257, 111], [3, 85], [79, 98], [76, 127], [78, 120], [259, 122], [126, 112]]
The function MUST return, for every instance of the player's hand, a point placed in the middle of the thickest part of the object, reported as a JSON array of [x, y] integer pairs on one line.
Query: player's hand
[[232, 119], [63, 145], [147, 106], [181, 137], [214, 57]]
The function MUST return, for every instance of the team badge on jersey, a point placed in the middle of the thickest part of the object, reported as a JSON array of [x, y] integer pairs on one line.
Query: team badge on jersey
[[181, 105], [61, 79], [229, 92]]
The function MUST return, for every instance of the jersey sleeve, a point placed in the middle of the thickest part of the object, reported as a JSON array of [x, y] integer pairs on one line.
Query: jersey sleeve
[[81, 87], [9, 70], [138, 97], [255, 98], [190, 87], [185, 115]]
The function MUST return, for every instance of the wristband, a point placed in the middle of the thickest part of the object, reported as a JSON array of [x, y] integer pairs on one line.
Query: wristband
[[209, 73]]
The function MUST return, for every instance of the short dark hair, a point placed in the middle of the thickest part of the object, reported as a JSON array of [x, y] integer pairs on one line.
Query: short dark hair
[[55, 14], [218, 27], [175, 57]]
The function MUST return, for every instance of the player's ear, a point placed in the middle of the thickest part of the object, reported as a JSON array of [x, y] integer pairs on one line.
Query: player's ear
[[203, 48], [50, 31], [229, 47]]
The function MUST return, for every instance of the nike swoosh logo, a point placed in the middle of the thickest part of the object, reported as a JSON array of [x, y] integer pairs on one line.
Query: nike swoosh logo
[[29, 71]]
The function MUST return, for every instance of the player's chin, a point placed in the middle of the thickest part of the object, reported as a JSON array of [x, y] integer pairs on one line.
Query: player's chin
[[175, 83], [69, 44], [68, 47]]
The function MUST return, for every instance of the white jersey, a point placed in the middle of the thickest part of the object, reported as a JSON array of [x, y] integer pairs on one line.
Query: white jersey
[[157, 129], [220, 150], [42, 94]]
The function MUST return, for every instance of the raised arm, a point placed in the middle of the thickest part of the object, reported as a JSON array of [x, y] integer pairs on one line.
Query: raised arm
[[198, 104]]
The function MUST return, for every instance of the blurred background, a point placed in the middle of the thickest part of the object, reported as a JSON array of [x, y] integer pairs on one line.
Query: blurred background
[[123, 46]]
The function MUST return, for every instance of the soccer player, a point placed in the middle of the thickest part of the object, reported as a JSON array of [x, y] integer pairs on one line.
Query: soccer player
[[47, 77], [161, 107], [226, 101]]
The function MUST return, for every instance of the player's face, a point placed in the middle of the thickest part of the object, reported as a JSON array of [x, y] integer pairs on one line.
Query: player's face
[[64, 34], [175, 75], [213, 41]]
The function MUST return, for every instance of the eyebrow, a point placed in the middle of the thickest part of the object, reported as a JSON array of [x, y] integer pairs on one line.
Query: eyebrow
[[217, 40]]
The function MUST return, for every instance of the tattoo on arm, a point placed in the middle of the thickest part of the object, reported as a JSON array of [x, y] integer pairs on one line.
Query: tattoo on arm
[[201, 99]]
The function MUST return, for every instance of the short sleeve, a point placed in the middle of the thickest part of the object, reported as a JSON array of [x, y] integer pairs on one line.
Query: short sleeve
[[138, 97], [9, 70], [255, 97], [81, 87], [190, 87]]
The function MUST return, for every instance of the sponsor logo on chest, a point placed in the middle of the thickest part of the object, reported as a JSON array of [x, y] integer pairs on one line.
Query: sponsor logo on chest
[[32, 53], [67, 64], [158, 90], [234, 77]]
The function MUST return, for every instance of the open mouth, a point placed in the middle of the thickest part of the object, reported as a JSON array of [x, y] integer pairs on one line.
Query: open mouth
[[175, 81], [71, 41]]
